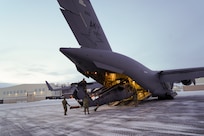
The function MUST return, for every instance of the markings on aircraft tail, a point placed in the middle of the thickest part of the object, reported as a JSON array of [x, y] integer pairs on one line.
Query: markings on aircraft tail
[[82, 3], [83, 20]]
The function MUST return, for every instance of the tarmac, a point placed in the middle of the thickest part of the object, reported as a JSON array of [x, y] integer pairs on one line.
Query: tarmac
[[183, 116]]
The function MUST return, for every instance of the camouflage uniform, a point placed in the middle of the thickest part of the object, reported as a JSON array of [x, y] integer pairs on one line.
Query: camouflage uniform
[[86, 104], [64, 103]]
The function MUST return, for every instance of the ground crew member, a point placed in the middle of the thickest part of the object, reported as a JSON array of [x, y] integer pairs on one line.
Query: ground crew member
[[135, 98], [65, 103], [86, 104], [83, 84]]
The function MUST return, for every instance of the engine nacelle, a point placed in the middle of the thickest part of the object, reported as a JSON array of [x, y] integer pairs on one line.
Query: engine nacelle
[[186, 82]]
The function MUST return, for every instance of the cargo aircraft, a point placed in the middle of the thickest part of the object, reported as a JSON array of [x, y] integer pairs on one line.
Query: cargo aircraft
[[121, 76]]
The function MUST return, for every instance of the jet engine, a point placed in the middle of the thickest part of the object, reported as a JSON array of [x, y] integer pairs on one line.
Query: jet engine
[[186, 82]]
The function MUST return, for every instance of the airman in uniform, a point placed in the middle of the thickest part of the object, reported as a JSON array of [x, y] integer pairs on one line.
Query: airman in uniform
[[86, 105], [65, 103], [83, 84]]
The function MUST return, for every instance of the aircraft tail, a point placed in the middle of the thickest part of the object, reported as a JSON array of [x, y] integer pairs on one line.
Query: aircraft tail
[[49, 86], [84, 23]]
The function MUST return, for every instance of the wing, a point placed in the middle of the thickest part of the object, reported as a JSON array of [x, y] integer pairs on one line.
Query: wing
[[179, 75], [83, 22]]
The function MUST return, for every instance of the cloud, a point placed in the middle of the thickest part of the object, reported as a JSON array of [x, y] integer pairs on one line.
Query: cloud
[[36, 71]]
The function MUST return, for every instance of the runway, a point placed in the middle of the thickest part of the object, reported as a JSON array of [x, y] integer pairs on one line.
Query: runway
[[183, 116]]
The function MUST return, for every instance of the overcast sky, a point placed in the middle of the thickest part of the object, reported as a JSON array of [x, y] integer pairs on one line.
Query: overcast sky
[[161, 34]]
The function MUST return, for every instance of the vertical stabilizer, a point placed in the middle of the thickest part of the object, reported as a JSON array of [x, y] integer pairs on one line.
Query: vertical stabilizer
[[84, 23]]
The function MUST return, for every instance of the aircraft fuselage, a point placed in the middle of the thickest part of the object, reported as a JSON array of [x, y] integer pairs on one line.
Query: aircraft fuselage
[[95, 60]]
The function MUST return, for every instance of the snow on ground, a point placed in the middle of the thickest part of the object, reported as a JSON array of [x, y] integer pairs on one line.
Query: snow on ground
[[181, 116], [190, 93]]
